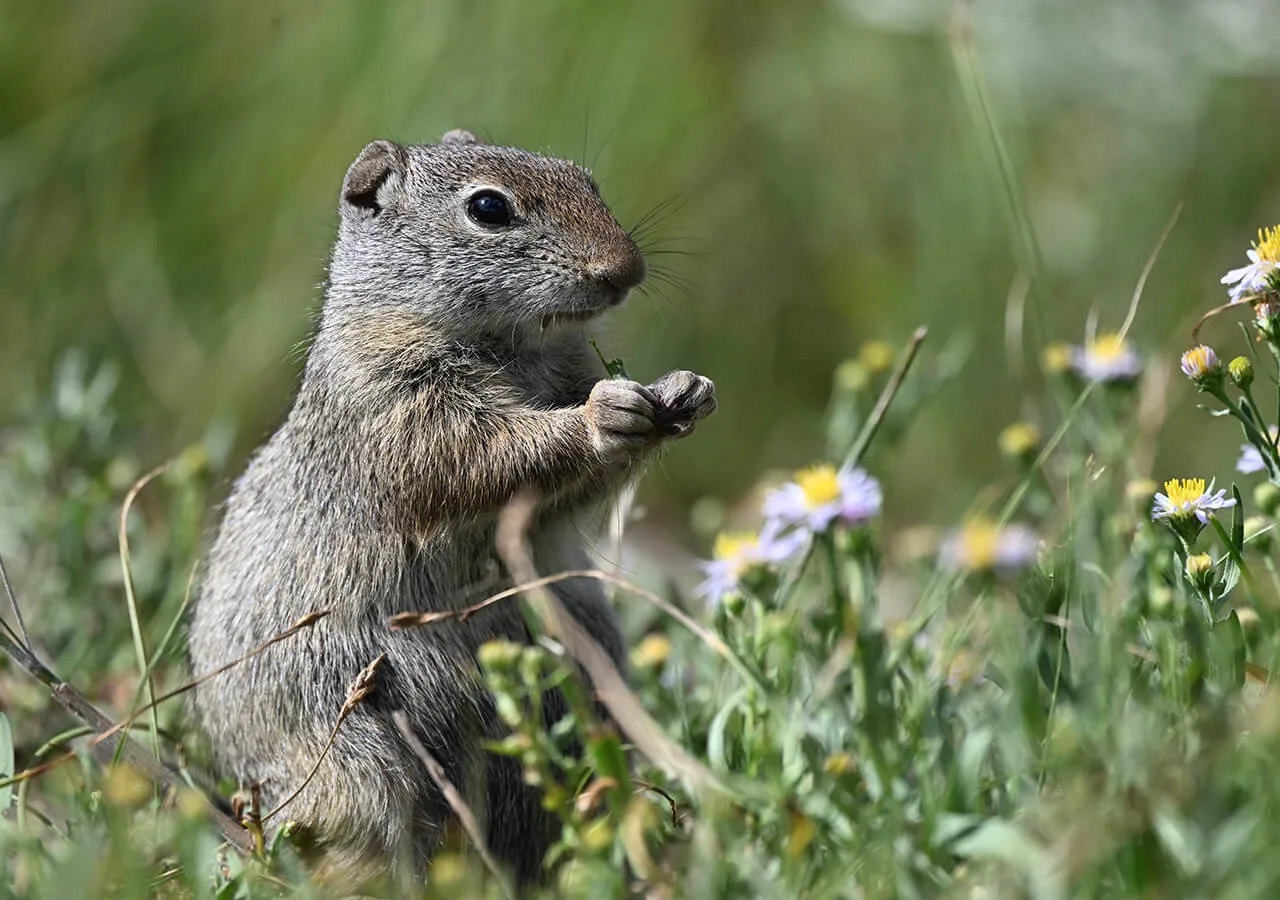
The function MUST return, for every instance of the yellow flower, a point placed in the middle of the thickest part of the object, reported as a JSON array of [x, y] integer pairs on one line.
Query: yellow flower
[[734, 544], [803, 831], [1056, 358], [653, 650], [1267, 246], [1107, 357], [1201, 365], [981, 545], [819, 484], [838, 763], [876, 357], [1019, 440], [1184, 498]]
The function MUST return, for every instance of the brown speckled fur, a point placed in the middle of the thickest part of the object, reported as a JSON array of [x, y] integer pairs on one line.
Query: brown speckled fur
[[449, 371]]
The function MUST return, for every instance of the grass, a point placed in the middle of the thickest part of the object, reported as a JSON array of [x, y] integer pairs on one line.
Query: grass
[[938, 711], [883, 712]]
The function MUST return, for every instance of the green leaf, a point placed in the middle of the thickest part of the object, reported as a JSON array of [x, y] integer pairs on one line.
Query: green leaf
[[972, 759], [1237, 520], [951, 827], [716, 734], [609, 757], [1239, 648]]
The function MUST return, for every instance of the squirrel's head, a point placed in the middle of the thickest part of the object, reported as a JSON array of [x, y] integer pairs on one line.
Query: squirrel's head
[[479, 237]]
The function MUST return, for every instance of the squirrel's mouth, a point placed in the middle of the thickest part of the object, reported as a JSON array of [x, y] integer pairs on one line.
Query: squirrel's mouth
[[571, 317], [581, 315]]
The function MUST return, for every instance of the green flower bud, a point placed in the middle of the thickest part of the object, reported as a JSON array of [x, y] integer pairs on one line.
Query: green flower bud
[[733, 604], [499, 654], [1200, 571], [1241, 371], [1266, 497], [1259, 534]]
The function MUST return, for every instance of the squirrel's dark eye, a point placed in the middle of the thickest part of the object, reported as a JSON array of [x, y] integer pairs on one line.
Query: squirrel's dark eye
[[489, 208]]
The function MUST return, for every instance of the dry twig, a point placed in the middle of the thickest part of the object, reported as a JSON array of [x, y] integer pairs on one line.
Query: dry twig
[[360, 688], [451, 795]]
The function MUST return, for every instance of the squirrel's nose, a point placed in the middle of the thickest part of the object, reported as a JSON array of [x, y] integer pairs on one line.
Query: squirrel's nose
[[623, 269]]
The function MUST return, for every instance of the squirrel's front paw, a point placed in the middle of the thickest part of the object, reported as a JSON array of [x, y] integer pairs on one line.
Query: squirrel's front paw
[[623, 416], [685, 398]]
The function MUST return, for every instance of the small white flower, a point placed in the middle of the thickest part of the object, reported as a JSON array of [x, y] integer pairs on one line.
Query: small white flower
[[1200, 362], [981, 545], [1106, 358], [1264, 258], [1251, 460], [737, 554], [1184, 498], [819, 496]]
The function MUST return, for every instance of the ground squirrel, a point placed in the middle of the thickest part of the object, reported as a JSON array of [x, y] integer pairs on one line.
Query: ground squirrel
[[449, 371]]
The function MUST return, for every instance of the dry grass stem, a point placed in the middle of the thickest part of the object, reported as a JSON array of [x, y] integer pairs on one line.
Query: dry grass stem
[[361, 687], [624, 706], [704, 634], [451, 795]]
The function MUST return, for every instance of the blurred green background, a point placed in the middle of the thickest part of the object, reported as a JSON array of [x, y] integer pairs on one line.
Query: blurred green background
[[169, 171]]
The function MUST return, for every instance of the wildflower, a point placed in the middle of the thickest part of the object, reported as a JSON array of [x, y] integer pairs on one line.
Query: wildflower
[[736, 555], [1241, 372], [1020, 441], [1106, 357], [1201, 365], [801, 835], [1251, 460], [652, 651], [1199, 569], [876, 357], [1187, 498], [982, 546], [1056, 358], [819, 496], [1266, 497], [1263, 261], [839, 763]]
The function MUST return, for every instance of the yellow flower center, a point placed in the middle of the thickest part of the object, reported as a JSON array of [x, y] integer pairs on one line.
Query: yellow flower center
[[734, 546], [1107, 347], [819, 484], [1056, 358], [1267, 246], [979, 544], [1182, 491], [1019, 439], [1197, 360], [875, 356]]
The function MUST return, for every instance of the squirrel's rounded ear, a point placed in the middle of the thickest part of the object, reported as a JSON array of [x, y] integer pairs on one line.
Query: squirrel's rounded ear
[[375, 176], [459, 136]]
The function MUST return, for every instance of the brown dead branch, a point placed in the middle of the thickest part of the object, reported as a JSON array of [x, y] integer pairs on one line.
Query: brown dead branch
[[451, 795]]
